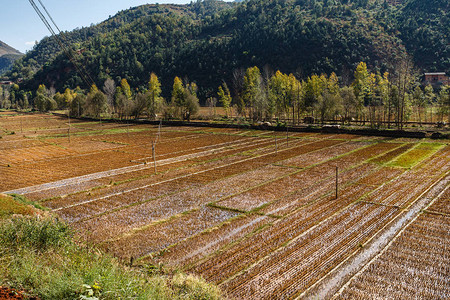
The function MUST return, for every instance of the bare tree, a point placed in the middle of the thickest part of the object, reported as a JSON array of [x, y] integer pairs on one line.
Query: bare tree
[[109, 88], [405, 76], [51, 92], [237, 88]]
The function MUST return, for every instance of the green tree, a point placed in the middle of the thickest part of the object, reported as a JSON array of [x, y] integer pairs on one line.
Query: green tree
[[26, 103], [126, 89], [362, 86], [333, 84], [394, 96], [76, 107], [254, 95], [178, 92], [155, 101], [313, 89], [96, 102], [184, 99], [278, 90], [295, 96], [328, 105], [429, 100], [382, 94], [349, 102], [444, 103], [42, 102], [59, 98], [68, 96], [418, 99], [224, 97]]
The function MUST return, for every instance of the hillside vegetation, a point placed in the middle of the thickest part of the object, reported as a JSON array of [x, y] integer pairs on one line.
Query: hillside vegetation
[[206, 41]]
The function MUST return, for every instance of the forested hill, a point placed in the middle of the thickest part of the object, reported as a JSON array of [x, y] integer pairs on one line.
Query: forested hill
[[7, 56], [43, 54], [206, 41]]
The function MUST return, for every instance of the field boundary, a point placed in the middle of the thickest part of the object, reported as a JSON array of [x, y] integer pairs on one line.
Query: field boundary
[[310, 128]]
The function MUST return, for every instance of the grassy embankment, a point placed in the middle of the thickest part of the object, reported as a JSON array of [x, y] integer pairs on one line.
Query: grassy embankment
[[38, 255]]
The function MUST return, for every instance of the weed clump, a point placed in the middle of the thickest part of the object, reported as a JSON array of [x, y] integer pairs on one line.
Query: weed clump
[[34, 234]]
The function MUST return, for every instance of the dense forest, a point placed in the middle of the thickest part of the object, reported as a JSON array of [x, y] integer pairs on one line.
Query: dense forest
[[207, 44]]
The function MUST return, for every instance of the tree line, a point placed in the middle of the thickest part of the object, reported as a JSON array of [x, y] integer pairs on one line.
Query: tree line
[[256, 95]]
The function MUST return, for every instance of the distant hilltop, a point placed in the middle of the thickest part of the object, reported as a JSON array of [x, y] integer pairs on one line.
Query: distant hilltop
[[7, 56], [7, 49]]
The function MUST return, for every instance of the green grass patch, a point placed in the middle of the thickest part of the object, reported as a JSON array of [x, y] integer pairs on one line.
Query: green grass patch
[[95, 132], [415, 155], [387, 157], [38, 255], [23, 200]]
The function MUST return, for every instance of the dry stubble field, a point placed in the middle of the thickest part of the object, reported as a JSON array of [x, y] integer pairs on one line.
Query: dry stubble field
[[257, 218]]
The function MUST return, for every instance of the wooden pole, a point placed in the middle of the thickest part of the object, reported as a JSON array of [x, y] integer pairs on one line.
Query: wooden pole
[[69, 127], [276, 145], [287, 135], [337, 172], [154, 155]]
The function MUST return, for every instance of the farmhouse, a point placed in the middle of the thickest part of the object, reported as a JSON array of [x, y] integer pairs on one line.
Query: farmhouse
[[438, 78]]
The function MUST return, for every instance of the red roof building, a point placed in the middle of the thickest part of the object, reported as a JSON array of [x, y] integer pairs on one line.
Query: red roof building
[[438, 78]]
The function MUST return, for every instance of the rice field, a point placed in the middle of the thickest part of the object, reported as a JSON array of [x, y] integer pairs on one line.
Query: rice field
[[255, 212]]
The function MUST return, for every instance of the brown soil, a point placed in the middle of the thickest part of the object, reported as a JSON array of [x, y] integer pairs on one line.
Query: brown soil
[[7, 293]]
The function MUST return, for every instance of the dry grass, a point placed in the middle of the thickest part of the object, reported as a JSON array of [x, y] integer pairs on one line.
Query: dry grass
[[10, 206]]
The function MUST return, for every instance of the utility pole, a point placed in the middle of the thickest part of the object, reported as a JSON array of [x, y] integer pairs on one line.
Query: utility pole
[[154, 155], [276, 145], [287, 135], [337, 172], [68, 130]]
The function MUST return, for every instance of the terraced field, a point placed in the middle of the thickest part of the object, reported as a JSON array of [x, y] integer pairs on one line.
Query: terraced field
[[257, 217]]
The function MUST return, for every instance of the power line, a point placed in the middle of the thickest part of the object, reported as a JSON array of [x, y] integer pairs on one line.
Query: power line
[[66, 41], [87, 79]]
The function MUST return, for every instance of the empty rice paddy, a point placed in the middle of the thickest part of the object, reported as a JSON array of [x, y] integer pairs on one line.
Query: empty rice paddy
[[258, 218]]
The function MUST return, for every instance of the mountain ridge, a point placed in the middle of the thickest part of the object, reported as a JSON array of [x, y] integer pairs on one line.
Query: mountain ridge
[[207, 41], [8, 55], [7, 49]]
